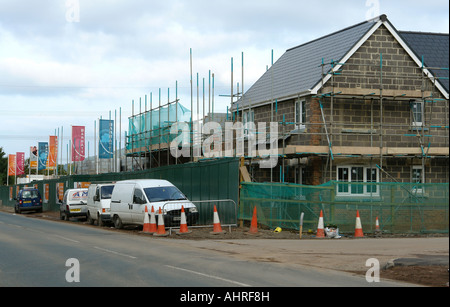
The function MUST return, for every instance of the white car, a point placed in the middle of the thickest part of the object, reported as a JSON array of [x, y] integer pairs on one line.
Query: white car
[[130, 197], [73, 204], [98, 203]]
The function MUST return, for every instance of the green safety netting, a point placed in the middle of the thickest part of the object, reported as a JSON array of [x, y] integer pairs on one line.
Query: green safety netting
[[400, 207], [153, 127]]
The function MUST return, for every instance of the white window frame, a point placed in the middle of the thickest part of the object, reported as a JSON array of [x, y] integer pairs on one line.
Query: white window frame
[[416, 190], [365, 191], [414, 122], [300, 109]]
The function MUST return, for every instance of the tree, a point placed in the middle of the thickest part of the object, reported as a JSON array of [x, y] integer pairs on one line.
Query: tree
[[3, 166]]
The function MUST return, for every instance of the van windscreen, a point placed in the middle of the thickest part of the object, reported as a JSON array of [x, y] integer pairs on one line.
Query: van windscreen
[[107, 191], [163, 194]]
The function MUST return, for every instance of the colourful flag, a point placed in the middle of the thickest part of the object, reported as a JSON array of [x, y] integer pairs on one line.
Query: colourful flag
[[42, 155], [78, 140], [106, 144], [20, 163], [11, 165], [33, 157], [53, 152]]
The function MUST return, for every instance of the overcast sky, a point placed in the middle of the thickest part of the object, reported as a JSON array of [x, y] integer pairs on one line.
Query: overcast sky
[[66, 63]]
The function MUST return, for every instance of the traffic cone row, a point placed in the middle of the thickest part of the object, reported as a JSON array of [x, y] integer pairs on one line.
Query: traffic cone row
[[159, 229]]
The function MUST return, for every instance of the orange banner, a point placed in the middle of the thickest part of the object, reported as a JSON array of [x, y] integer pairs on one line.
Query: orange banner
[[11, 165], [53, 152]]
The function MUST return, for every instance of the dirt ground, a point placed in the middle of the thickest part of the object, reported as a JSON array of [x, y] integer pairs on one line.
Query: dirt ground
[[432, 275]]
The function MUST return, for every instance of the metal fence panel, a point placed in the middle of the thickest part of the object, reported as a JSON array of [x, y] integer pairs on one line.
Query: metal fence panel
[[218, 179]]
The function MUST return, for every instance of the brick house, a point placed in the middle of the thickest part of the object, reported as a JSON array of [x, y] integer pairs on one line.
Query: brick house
[[368, 103]]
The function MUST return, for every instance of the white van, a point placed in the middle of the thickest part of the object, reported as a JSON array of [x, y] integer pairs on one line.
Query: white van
[[73, 204], [98, 203], [130, 197]]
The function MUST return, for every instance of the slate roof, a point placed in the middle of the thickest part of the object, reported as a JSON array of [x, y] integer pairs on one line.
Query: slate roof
[[299, 69], [434, 49]]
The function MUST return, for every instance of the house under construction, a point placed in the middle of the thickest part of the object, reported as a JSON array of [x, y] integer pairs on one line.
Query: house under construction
[[368, 103]]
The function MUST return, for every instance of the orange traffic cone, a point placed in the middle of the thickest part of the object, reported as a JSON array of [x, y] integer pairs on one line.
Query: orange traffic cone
[[183, 224], [161, 231], [152, 221], [217, 228], [146, 227], [377, 225], [320, 230], [358, 227], [254, 224]]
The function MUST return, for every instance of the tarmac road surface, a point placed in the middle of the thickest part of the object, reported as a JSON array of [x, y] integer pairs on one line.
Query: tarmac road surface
[[35, 252]]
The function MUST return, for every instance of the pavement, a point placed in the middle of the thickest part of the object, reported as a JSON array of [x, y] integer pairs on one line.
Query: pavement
[[336, 254]]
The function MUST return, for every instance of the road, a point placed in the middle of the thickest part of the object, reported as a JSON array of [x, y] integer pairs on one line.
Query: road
[[34, 252]]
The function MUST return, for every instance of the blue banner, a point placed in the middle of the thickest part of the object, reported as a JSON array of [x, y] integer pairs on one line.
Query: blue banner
[[106, 139], [43, 154]]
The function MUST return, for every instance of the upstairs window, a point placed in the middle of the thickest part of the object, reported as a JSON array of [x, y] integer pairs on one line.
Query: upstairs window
[[416, 113], [300, 114]]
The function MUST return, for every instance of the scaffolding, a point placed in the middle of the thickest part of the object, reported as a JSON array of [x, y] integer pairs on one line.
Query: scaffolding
[[332, 129], [152, 141]]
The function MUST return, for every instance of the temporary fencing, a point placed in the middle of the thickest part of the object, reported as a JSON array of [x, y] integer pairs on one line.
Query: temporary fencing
[[400, 207], [226, 209]]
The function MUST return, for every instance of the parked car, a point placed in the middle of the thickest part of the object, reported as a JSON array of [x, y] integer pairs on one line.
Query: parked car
[[29, 199], [130, 197], [74, 204], [99, 203]]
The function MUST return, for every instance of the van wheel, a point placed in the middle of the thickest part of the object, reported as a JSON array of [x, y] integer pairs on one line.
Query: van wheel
[[99, 221], [117, 222], [89, 219]]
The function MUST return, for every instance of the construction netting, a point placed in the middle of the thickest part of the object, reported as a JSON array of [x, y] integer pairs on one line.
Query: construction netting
[[399, 207], [153, 127]]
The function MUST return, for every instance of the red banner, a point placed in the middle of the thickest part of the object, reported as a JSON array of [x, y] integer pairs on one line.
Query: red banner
[[20, 163], [78, 140], [52, 152], [11, 165]]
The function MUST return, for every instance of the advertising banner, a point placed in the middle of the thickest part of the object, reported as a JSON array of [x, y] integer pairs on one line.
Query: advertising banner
[[106, 144], [42, 155], [33, 157], [78, 143], [11, 165], [53, 152], [20, 163]]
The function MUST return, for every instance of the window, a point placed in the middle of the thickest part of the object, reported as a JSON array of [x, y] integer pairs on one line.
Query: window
[[416, 113], [418, 177], [300, 114], [138, 197], [357, 174], [169, 193]]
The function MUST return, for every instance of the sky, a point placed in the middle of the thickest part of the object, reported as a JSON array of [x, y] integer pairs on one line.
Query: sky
[[70, 62]]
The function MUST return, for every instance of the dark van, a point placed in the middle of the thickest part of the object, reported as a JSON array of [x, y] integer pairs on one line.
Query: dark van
[[29, 199]]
